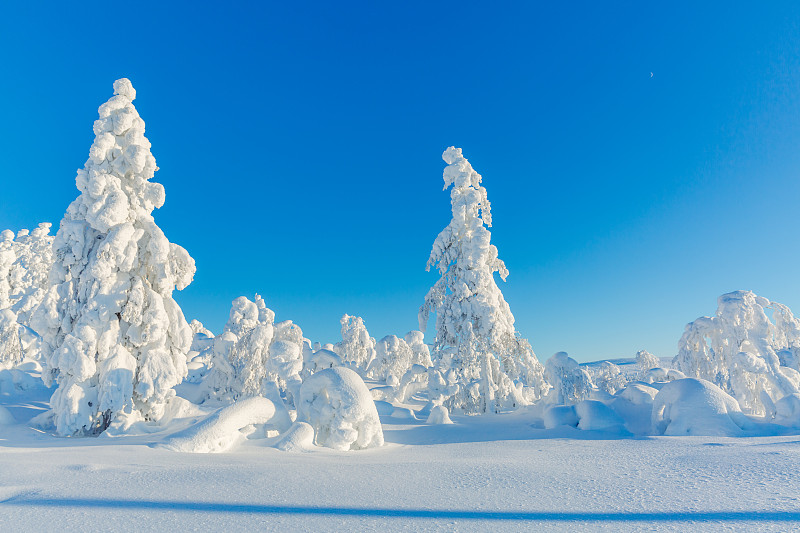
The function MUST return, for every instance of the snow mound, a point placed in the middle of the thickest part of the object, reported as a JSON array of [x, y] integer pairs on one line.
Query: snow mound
[[298, 438], [634, 404], [439, 415], [339, 406], [787, 411], [594, 415], [696, 407], [560, 415], [220, 431]]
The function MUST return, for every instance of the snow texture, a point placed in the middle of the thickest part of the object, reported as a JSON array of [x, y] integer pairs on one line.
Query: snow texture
[[115, 340], [339, 406], [742, 351], [219, 432], [483, 364]]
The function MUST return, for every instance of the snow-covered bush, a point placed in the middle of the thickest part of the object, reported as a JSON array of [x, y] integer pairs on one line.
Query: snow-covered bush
[[357, 348], [319, 359], [479, 355], [743, 352], [338, 405], [696, 407], [608, 377], [420, 353], [392, 360], [597, 416], [571, 383], [115, 340], [646, 361]]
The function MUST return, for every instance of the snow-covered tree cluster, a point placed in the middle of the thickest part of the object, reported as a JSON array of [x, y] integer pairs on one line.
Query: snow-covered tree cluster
[[481, 363], [25, 262], [94, 304], [254, 353], [742, 351], [115, 341]]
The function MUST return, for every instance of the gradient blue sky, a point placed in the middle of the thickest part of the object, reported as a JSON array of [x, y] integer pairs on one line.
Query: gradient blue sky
[[300, 142]]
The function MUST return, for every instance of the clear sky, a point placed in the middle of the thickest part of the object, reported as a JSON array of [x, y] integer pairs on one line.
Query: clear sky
[[641, 158]]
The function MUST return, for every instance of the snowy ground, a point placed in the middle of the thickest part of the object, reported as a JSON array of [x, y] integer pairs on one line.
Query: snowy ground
[[497, 472]]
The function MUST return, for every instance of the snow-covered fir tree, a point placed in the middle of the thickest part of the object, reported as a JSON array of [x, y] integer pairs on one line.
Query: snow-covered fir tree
[[115, 340], [483, 365], [392, 360], [6, 263], [357, 348]]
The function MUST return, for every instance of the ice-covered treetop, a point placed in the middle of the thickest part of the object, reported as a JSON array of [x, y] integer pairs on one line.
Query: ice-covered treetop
[[114, 180]]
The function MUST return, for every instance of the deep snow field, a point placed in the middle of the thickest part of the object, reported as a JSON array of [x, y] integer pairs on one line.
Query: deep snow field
[[499, 472]]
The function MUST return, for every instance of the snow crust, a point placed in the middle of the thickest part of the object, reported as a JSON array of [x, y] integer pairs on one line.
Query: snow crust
[[339, 406]]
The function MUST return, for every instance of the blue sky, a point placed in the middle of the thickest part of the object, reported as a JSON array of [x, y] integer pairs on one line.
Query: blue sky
[[299, 144]]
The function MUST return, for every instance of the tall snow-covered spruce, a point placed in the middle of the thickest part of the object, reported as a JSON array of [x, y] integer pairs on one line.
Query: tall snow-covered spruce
[[115, 340], [481, 363]]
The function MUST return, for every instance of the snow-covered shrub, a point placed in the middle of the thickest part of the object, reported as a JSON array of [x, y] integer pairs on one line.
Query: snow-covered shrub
[[571, 382], [413, 381], [357, 348], [115, 340], [608, 378], [420, 353], [646, 361], [696, 407], [479, 354], [742, 351], [392, 360], [202, 338], [338, 405], [298, 438]]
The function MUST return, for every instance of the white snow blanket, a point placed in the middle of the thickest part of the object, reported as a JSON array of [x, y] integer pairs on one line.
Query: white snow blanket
[[339, 406]]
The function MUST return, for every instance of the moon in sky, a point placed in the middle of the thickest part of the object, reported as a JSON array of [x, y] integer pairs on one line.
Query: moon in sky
[[651, 74]]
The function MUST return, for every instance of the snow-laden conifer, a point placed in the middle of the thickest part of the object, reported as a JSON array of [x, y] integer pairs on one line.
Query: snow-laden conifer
[[483, 365], [357, 348], [115, 340], [754, 359], [6, 263], [646, 361]]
